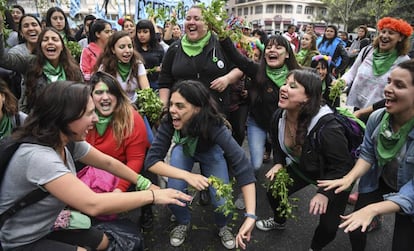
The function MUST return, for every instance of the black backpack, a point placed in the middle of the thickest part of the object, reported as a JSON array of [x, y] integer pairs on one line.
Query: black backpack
[[354, 130]]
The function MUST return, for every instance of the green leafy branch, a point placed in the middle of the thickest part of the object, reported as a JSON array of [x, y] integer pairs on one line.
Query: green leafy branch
[[75, 49], [336, 89], [149, 104], [279, 188], [224, 191]]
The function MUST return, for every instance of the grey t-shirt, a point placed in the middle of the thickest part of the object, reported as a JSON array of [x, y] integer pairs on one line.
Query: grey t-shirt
[[31, 167]]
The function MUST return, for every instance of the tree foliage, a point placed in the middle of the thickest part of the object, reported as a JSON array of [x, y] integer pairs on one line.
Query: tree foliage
[[353, 13]]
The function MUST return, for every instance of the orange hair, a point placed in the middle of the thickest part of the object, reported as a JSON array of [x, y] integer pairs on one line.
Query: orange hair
[[398, 25]]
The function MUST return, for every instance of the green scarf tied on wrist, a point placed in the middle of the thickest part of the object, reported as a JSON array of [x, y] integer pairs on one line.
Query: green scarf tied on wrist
[[382, 61], [124, 69], [53, 74], [6, 126], [192, 49], [189, 143], [102, 124], [389, 143], [278, 76]]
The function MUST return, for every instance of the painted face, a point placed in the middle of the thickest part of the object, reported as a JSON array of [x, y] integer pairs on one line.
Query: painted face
[[195, 28], [292, 95], [105, 102], [176, 31], [130, 28], [52, 47], [58, 21], [181, 110], [275, 55], [306, 41], [329, 33], [144, 36], [16, 15], [30, 29], [82, 125], [123, 49], [105, 34], [388, 39], [322, 70], [399, 93]]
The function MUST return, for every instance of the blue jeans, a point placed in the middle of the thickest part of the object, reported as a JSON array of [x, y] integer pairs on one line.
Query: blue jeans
[[211, 162], [256, 137]]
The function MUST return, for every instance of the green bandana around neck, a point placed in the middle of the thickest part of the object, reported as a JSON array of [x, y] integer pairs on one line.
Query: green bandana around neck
[[194, 48], [54, 74], [390, 143], [278, 76], [189, 143], [6, 126], [63, 35], [102, 124], [382, 61], [124, 69], [301, 56]]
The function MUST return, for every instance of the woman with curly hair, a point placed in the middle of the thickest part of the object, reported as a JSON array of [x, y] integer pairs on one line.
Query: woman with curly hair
[[120, 60]]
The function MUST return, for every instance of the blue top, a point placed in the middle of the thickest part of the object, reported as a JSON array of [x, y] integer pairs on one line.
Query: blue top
[[405, 176]]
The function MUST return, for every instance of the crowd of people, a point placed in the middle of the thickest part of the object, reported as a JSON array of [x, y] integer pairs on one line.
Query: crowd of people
[[81, 132]]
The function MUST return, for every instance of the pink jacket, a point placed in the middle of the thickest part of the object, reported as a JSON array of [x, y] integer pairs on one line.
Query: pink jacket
[[88, 59]]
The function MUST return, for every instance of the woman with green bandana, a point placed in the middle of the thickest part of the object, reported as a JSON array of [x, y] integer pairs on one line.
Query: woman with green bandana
[[307, 49], [369, 74], [120, 60], [51, 62], [198, 56], [120, 131], [385, 166], [268, 76], [195, 131], [10, 117]]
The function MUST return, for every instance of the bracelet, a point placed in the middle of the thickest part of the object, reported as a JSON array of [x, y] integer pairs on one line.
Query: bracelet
[[153, 197], [254, 217]]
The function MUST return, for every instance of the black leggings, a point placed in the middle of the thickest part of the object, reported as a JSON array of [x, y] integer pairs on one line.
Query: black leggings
[[325, 232], [66, 240], [403, 228]]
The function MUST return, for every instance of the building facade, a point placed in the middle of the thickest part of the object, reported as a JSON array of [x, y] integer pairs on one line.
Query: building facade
[[275, 16]]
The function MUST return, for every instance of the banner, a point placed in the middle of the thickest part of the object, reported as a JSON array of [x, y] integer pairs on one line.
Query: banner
[[74, 8]]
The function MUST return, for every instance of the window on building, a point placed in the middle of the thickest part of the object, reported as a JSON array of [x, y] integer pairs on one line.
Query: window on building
[[259, 9], [322, 11], [251, 10], [245, 11], [269, 8], [309, 10], [240, 1], [279, 8], [299, 9], [288, 9], [239, 12], [268, 26]]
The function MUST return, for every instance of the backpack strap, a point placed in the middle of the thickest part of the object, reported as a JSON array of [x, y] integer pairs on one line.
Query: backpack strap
[[31, 198]]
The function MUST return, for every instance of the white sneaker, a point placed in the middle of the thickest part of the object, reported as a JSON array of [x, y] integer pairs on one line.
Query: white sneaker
[[178, 235]]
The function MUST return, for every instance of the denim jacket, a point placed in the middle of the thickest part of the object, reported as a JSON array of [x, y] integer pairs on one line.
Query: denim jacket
[[405, 176]]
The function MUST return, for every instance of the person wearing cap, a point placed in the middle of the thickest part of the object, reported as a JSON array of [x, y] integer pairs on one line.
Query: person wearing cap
[[369, 74]]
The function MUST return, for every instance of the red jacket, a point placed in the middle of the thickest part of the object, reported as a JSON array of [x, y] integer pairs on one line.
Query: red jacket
[[131, 151]]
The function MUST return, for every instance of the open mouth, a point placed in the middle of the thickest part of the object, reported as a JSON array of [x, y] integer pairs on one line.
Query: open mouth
[[105, 106]]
